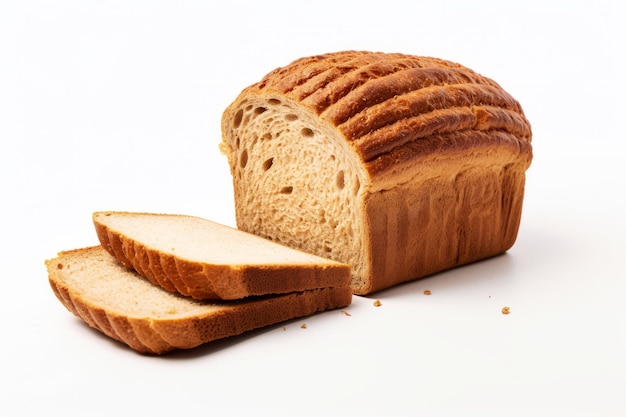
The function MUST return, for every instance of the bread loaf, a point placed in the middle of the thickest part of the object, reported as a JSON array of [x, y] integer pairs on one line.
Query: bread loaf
[[118, 302], [400, 166], [206, 260]]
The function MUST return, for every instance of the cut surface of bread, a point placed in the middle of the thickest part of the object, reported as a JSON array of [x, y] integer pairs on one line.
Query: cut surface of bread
[[118, 302], [400, 166], [206, 260]]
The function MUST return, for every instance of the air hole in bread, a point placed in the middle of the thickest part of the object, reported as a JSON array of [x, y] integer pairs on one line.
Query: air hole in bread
[[259, 110], [267, 136], [238, 118], [327, 249], [268, 164], [306, 132], [291, 117], [243, 158], [286, 190], [341, 180], [273, 101], [357, 186]]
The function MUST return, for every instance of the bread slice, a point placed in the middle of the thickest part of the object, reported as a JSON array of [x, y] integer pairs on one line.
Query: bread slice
[[401, 166], [206, 260], [123, 305]]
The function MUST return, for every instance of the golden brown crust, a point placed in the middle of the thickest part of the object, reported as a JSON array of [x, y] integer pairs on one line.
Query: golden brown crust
[[161, 269], [161, 337], [382, 102], [424, 227]]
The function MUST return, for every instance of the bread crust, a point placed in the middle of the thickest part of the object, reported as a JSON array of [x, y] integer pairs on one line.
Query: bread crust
[[73, 277], [384, 103]]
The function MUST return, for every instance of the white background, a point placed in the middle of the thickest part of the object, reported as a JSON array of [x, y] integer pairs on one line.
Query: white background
[[116, 105]]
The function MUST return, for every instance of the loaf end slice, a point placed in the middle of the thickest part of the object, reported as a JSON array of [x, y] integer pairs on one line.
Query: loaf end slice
[[118, 302], [206, 260]]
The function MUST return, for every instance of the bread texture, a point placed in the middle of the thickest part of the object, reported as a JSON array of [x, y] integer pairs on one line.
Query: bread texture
[[206, 260], [118, 302], [400, 166]]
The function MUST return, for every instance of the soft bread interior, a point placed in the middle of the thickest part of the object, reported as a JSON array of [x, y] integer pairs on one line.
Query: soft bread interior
[[99, 280], [293, 174], [204, 241]]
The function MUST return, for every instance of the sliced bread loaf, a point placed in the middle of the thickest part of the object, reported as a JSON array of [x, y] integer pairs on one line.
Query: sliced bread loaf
[[401, 166], [206, 260], [121, 304]]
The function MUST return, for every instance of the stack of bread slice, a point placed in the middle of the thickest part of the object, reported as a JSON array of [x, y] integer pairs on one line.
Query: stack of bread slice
[[161, 282]]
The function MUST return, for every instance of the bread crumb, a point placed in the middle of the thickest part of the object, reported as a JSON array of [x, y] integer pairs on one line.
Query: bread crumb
[[506, 310], [303, 326], [377, 303], [426, 292], [346, 313], [284, 328]]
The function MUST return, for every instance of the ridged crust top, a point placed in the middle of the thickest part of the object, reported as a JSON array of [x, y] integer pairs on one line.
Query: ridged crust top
[[385, 103]]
